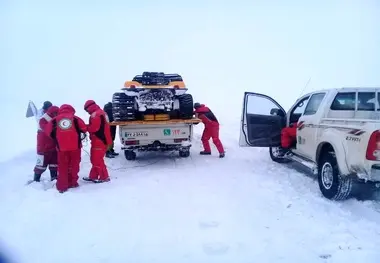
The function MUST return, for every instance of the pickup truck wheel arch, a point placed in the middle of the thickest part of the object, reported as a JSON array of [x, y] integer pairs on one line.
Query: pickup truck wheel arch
[[338, 150], [323, 148]]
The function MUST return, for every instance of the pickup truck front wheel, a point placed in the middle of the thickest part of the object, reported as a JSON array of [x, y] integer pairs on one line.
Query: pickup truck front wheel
[[277, 155], [333, 185]]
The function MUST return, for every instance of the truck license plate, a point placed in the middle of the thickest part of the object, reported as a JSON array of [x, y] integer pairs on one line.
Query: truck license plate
[[136, 134]]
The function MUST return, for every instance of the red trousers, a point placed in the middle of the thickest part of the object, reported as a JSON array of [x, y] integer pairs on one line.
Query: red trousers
[[212, 131], [44, 160], [99, 168], [68, 169], [288, 136]]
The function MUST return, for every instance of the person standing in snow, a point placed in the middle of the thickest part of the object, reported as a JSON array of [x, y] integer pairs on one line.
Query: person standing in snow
[[46, 146], [66, 130], [211, 129], [108, 110], [100, 136]]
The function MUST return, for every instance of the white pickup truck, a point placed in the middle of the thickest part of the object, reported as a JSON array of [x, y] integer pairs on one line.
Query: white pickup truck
[[165, 135], [338, 135]]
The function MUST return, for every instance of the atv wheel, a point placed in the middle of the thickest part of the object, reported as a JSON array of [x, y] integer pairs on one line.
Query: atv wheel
[[186, 106], [333, 185], [277, 155], [123, 107]]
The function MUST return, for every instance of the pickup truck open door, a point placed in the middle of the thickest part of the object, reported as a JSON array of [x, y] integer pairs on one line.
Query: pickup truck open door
[[261, 122]]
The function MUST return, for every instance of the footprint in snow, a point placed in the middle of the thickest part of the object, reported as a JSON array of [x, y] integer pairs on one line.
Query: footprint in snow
[[215, 248], [208, 224]]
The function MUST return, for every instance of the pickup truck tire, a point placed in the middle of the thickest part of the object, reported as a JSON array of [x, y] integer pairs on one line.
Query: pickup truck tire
[[333, 185], [186, 106], [277, 156]]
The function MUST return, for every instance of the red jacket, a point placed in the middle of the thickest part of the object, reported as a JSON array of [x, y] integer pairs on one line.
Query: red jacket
[[44, 142], [66, 129], [207, 116], [98, 127]]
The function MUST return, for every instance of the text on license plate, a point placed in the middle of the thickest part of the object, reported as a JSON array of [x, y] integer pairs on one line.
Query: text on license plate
[[136, 134]]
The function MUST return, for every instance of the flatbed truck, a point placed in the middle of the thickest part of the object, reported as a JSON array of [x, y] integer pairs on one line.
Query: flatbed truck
[[156, 135]]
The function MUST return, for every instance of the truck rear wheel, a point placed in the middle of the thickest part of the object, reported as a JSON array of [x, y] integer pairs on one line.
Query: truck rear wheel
[[130, 155], [333, 185], [184, 153]]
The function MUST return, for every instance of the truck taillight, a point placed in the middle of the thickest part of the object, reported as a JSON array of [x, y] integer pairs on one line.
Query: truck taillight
[[132, 143], [373, 148], [180, 140]]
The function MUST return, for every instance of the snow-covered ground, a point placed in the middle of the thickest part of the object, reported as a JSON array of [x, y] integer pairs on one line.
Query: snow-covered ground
[[243, 208]]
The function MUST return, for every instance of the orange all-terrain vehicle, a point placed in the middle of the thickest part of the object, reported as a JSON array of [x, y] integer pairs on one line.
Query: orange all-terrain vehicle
[[153, 96]]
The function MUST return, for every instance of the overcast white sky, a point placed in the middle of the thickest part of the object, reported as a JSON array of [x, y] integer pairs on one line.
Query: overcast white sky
[[68, 52]]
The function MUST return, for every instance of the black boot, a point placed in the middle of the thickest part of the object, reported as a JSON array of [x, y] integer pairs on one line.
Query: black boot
[[53, 175], [112, 151], [37, 177], [221, 155], [99, 181], [109, 155]]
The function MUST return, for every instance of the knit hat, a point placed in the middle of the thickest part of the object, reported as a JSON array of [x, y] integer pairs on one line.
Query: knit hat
[[88, 104], [47, 105], [197, 105]]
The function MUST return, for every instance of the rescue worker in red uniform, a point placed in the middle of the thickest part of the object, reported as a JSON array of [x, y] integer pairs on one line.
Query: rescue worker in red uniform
[[108, 110], [100, 136], [211, 129], [66, 129], [289, 136], [46, 146]]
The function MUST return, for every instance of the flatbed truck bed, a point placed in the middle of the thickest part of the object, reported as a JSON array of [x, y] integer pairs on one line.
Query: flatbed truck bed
[[163, 135]]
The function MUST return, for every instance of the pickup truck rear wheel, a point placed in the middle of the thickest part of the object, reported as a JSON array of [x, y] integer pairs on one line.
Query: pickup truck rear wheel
[[277, 155], [333, 185]]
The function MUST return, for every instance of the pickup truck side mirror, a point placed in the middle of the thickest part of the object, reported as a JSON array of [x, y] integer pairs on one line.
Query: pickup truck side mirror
[[277, 112]]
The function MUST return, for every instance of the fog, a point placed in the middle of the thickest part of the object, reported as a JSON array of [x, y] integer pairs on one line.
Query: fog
[[68, 52]]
